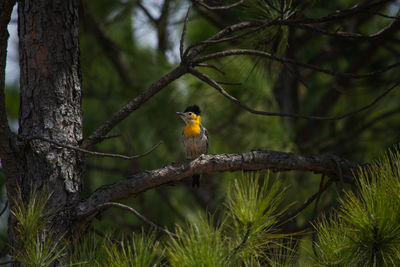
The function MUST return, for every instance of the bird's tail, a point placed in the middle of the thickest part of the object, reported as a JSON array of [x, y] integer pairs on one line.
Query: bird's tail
[[196, 181]]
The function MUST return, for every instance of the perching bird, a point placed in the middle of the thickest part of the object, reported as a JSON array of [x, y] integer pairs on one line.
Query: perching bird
[[194, 136]]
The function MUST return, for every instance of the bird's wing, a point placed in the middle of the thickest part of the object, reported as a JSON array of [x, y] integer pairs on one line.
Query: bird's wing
[[206, 133]]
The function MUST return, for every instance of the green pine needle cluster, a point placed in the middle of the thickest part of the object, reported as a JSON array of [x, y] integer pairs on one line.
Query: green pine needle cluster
[[244, 236], [140, 250], [198, 245], [366, 229], [35, 245]]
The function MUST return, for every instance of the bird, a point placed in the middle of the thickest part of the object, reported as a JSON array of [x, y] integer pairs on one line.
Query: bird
[[194, 136]]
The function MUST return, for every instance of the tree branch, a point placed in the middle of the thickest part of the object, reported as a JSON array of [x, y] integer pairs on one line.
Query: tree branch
[[94, 153], [184, 32], [211, 82], [261, 24], [249, 161], [292, 61], [307, 203], [351, 35], [201, 3], [137, 214], [4, 208], [147, 13], [134, 104], [112, 51], [242, 243]]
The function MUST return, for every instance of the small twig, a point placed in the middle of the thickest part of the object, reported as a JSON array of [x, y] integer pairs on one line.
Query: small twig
[[321, 184], [349, 35], [339, 171], [212, 67], [251, 52], [293, 215], [146, 12], [4, 208], [103, 235], [7, 262], [109, 136], [228, 83], [241, 245], [201, 3], [273, 7], [93, 153], [184, 32], [137, 214], [203, 77], [216, 38], [383, 15]]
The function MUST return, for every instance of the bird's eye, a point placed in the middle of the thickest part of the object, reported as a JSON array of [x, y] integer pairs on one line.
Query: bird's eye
[[190, 113]]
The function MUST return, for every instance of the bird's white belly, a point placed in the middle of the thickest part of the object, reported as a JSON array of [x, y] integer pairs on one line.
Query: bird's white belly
[[195, 146]]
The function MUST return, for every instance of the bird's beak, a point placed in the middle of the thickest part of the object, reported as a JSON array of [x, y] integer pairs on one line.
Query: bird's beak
[[183, 117]]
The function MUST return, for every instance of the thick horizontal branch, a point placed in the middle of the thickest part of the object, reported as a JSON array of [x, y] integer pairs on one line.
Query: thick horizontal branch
[[249, 161]]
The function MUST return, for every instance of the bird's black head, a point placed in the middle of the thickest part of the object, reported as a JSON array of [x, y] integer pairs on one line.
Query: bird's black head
[[195, 109]]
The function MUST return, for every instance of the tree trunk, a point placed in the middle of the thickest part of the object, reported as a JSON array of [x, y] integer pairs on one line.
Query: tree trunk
[[50, 106]]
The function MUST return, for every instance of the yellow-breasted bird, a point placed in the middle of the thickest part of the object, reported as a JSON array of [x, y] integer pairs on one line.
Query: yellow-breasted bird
[[194, 136]]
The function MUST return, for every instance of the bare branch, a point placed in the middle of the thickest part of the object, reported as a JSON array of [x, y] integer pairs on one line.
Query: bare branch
[[112, 51], [93, 153], [137, 214], [4, 208], [7, 262], [384, 15], [261, 24], [292, 61], [184, 32], [332, 141], [134, 104], [249, 161], [211, 82], [235, 37], [307, 203], [146, 12], [242, 243], [228, 83], [351, 35], [212, 67], [201, 3]]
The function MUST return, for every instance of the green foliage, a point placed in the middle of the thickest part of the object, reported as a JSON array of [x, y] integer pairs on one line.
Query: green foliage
[[253, 207], [199, 244], [35, 245], [366, 229], [141, 250], [244, 236]]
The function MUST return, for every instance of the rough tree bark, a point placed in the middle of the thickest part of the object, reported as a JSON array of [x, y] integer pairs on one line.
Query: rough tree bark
[[50, 106]]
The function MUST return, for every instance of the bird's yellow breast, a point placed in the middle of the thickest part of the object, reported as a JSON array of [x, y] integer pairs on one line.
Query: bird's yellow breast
[[193, 129]]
